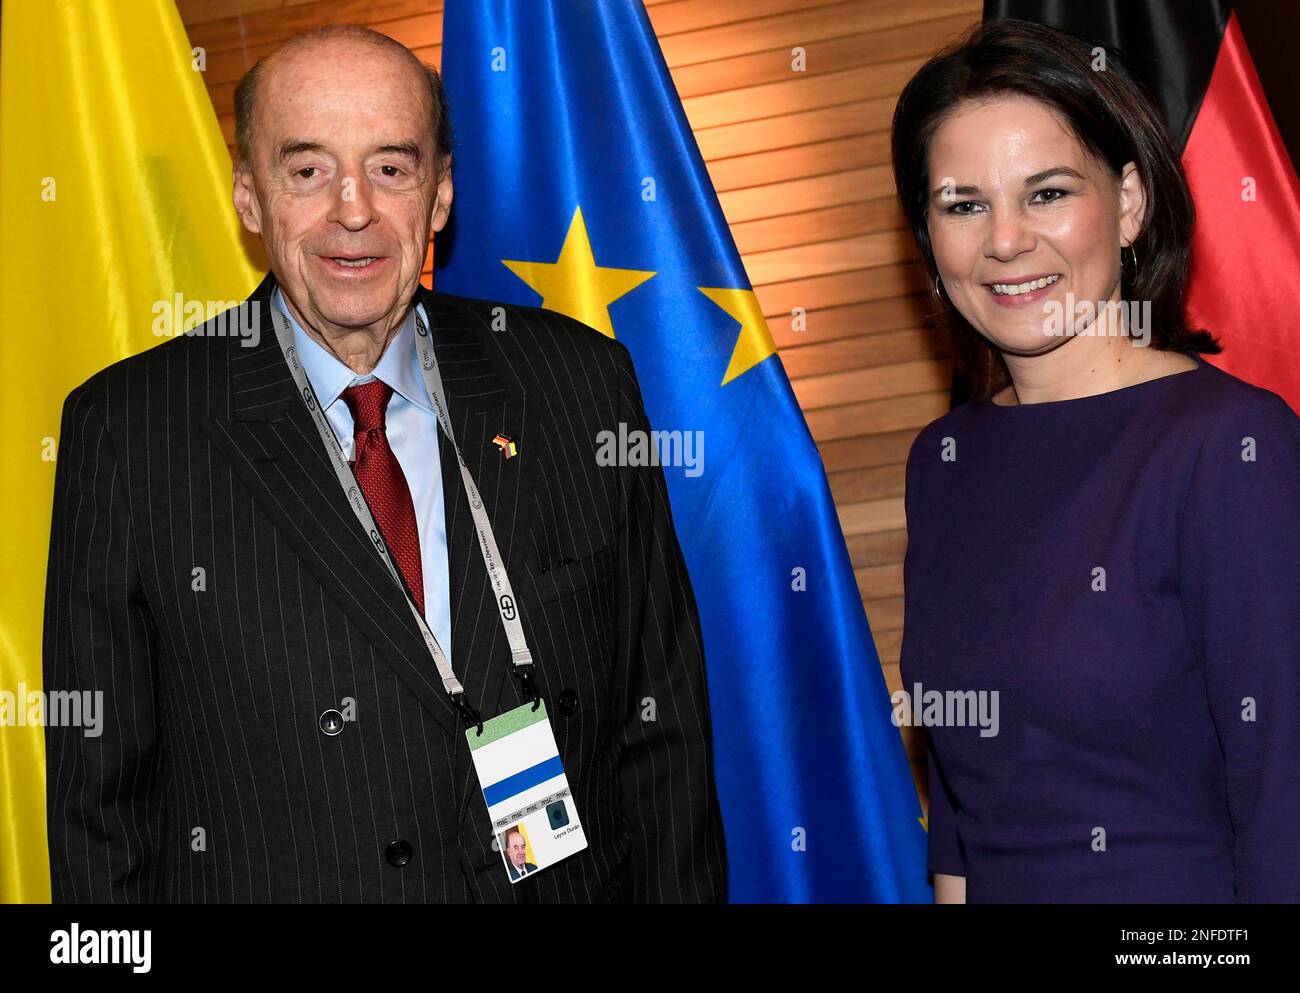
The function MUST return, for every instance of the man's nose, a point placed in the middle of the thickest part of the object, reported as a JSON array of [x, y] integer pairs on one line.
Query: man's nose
[[353, 204]]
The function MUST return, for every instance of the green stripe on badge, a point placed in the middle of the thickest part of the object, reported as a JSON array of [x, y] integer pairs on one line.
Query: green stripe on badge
[[505, 725]]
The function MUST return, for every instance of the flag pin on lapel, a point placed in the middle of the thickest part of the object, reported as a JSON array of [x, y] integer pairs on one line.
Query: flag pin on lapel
[[508, 447]]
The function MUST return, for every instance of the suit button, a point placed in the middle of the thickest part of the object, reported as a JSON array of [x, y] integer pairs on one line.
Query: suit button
[[331, 722], [398, 853], [568, 702]]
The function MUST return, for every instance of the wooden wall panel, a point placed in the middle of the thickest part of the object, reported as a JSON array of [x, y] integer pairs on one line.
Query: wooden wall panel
[[801, 163]]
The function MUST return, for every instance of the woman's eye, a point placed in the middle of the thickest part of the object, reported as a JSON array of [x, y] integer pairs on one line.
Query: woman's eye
[[1051, 196], [963, 208]]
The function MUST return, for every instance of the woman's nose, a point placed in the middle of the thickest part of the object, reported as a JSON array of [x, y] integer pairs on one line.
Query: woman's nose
[[1008, 235]]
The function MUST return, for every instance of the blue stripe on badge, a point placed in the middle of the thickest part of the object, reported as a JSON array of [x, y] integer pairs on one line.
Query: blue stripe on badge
[[520, 781]]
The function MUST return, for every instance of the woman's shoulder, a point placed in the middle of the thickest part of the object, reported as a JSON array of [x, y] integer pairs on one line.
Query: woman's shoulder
[[1215, 401], [1174, 413], [932, 436]]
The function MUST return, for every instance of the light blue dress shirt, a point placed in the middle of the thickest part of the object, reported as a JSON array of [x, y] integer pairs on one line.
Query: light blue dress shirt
[[412, 428]]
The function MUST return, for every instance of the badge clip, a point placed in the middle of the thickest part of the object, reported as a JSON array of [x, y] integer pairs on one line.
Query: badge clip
[[525, 674], [468, 714]]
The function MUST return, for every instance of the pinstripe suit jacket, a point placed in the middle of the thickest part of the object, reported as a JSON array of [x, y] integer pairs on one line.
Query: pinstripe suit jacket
[[212, 779]]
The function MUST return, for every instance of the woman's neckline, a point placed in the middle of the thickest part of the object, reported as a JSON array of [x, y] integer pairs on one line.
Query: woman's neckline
[[1201, 365]]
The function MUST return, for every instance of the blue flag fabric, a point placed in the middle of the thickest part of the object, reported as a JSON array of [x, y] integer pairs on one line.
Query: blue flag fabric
[[579, 187]]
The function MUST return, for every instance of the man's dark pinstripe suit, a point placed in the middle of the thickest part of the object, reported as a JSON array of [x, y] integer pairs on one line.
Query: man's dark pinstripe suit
[[198, 454]]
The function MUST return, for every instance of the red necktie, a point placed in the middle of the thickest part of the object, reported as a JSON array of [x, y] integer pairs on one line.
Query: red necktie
[[383, 482]]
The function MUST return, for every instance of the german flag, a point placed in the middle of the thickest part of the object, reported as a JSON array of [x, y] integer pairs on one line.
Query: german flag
[[1192, 59]]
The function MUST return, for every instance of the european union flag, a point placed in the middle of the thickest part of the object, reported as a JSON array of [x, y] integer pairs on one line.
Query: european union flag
[[579, 187]]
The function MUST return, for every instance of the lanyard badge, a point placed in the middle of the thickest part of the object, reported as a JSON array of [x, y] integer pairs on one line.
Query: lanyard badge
[[529, 805], [515, 755]]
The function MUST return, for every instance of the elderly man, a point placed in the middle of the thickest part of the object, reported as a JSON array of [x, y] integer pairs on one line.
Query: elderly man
[[308, 567], [517, 854]]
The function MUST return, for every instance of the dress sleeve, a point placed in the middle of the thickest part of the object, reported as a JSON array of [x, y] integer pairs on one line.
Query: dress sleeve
[[944, 846], [1240, 578]]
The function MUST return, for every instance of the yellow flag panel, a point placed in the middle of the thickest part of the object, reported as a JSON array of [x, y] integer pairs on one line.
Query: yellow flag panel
[[115, 217]]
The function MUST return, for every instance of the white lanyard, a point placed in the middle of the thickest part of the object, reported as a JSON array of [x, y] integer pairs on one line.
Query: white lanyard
[[487, 543]]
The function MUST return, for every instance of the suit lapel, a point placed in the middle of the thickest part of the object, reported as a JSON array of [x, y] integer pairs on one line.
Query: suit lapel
[[272, 443]]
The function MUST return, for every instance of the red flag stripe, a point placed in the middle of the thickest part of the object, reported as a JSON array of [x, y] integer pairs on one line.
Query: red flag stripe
[[1245, 280]]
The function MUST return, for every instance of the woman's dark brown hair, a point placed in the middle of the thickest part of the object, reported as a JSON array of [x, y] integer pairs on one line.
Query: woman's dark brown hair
[[1111, 118]]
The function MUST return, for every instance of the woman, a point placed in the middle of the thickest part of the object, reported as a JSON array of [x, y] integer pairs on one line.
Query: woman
[[1104, 544]]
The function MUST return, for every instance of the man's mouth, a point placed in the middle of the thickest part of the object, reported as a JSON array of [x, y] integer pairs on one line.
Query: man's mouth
[[354, 261]]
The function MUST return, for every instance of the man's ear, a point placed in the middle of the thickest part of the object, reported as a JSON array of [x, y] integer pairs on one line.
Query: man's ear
[[1132, 204], [245, 196], [442, 203]]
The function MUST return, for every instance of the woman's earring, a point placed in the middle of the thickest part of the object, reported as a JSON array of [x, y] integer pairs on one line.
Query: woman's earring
[[1134, 254], [938, 290]]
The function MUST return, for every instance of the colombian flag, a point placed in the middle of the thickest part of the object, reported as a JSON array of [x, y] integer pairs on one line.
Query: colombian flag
[[580, 188], [115, 192]]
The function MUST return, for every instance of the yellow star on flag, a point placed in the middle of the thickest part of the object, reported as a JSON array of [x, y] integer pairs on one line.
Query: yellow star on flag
[[574, 285], [755, 342]]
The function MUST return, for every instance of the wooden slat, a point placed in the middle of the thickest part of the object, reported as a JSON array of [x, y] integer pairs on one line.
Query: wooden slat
[[825, 322], [677, 16], [821, 56], [889, 646], [798, 92], [891, 414], [877, 548], [842, 288], [807, 194], [810, 226], [893, 678], [866, 449], [194, 13], [864, 351], [824, 258], [880, 581], [840, 388], [799, 162], [804, 27], [787, 130], [886, 614], [273, 25], [873, 483]]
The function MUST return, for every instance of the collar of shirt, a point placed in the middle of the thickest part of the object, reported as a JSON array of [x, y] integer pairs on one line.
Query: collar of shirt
[[399, 366]]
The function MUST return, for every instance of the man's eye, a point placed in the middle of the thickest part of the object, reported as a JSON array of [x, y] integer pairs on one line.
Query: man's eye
[[306, 171], [395, 171]]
